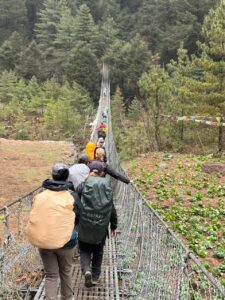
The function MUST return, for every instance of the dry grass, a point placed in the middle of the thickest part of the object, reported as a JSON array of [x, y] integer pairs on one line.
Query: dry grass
[[25, 164]]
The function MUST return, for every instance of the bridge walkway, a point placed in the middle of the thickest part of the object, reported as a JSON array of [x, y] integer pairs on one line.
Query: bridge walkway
[[108, 287]]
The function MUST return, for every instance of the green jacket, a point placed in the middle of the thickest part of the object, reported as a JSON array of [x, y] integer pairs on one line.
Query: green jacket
[[96, 209]]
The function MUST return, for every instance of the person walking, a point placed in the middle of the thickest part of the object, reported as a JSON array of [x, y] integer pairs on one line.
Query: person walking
[[90, 149], [79, 171], [101, 144], [107, 169], [97, 212], [51, 228]]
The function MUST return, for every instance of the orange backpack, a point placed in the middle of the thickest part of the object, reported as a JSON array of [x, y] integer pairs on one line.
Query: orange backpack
[[90, 150], [51, 220]]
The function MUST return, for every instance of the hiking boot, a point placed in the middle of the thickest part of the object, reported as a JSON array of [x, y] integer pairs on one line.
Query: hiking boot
[[88, 279], [76, 256], [95, 280]]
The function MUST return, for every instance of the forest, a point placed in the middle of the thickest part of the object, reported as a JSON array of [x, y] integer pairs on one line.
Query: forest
[[167, 71]]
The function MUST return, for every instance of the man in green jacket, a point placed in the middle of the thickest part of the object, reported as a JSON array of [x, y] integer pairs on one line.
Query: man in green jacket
[[97, 212]]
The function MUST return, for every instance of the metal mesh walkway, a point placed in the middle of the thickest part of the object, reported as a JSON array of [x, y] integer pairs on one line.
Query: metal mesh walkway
[[107, 289]]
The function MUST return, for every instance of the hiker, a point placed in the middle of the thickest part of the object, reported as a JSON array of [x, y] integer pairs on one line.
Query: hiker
[[104, 115], [97, 212], [104, 118], [102, 129], [51, 228], [101, 133], [79, 171], [100, 144], [102, 126], [90, 149], [107, 169]]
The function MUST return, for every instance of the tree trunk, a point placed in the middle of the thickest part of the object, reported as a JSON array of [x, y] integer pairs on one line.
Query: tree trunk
[[147, 123], [220, 139], [157, 126], [182, 127]]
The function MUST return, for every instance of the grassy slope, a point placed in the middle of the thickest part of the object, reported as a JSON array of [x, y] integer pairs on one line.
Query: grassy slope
[[191, 201], [25, 164]]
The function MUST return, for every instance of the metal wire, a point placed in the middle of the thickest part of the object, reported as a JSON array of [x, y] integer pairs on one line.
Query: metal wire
[[18, 259], [153, 263]]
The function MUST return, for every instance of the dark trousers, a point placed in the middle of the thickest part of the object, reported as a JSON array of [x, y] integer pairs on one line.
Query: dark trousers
[[91, 258]]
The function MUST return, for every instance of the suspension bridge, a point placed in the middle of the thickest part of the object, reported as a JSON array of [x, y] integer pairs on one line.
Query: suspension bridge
[[145, 261]]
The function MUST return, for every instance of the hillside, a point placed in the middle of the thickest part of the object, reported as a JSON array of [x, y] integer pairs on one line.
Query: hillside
[[190, 200], [24, 164]]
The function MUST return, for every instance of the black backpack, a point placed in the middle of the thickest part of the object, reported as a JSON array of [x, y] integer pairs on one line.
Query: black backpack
[[96, 209]]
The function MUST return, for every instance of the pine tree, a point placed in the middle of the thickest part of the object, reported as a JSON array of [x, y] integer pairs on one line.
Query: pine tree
[[33, 7], [35, 96], [31, 63], [118, 111], [127, 62], [135, 110], [8, 81], [46, 28], [10, 52], [65, 37], [101, 10], [81, 99], [206, 88], [82, 68], [65, 116], [108, 33], [171, 23], [180, 71], [51, 89], [155, 96], [20, 97], [12, 18], [85, 30]]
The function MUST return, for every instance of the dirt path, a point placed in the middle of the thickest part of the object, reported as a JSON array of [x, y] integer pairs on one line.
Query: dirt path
[[25, 164]]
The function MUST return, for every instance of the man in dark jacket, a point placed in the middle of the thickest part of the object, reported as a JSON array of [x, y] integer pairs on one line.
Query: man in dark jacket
[[97, 212], [107, 169], [59, 262]]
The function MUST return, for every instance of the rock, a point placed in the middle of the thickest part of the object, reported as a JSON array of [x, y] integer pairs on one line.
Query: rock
[[213, 168], [163, 166], [168, 155]]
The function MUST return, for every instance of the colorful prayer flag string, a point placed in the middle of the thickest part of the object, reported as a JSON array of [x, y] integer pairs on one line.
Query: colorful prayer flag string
[[211, 121]]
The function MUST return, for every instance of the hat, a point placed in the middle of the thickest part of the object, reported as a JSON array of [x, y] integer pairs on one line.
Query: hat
[[96, 167], [60, 172], [83, 159], [59, 168]]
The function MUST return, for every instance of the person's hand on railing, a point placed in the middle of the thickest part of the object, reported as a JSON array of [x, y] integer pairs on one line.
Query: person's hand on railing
[[113, 233]]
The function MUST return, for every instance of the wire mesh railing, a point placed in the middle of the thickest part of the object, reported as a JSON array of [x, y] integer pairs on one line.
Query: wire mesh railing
[[152, 262], [19, 261]]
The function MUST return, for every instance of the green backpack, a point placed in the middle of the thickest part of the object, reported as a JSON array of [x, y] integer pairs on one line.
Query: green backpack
[[96, 209]]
